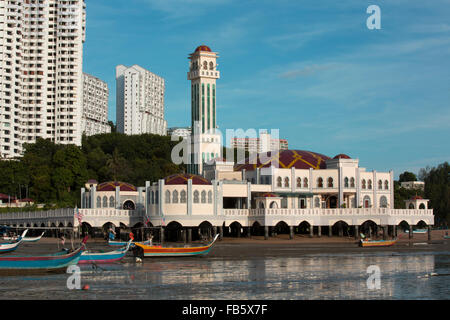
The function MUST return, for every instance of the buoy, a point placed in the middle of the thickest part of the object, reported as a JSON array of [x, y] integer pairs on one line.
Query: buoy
[[86, 287]]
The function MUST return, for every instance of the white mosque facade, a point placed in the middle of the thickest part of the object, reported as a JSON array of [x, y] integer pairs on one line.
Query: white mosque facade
[[290, 190]]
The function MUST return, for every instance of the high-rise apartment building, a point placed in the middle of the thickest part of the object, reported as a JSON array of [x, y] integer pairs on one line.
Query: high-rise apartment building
[[41, 83], [140, 101], [95, 106], [264, 143]]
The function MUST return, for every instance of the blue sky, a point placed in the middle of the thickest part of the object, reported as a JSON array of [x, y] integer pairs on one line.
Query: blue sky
[[311, 69]]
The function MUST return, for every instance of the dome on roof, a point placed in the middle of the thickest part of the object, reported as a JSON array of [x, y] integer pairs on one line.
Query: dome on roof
[[203, 48], [182, 178], [111, 186], [342, 156], [284, 159]]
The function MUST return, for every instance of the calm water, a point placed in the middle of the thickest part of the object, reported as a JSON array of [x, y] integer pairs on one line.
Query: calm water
[[319, 276]]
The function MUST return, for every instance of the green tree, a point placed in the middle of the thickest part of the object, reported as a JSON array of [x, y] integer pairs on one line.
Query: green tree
[[407, 176]]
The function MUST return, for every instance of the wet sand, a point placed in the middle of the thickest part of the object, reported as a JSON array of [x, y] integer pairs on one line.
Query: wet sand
[[280, 245]]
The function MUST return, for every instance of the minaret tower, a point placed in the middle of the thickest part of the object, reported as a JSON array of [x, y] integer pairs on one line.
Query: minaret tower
[[206, 142]]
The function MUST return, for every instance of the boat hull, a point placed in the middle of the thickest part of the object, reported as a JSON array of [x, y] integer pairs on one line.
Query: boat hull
[[45, 263], [157, 251], [104, 257], [377, 243]]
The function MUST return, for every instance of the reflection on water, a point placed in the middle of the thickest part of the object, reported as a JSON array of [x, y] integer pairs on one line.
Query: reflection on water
[[339, 276]]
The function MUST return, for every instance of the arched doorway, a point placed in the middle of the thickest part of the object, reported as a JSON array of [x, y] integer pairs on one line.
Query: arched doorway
[[332, 202], [281, 228], [205, 230], [368, 228], [341, 229], [304, 228], [172, 232], [107, 228], [403, 225], [421, 225], [86, 229], [129, 205], [235, 229], [257, 229]]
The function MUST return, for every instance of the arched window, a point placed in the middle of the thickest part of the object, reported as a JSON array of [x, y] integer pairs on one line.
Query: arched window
[[175, 196], [305, 183], [383, 202], [196, 196], [205, 65], [105, 202], [363, 183], [211, 66], [279, 182], [346, 182], [203, 196], [99, 202], [422, 206], [167, 196], [183, 196], [286, 182], [369, 184], [352, 182], [386, 185], [380, 185], [411, 206], [317, 203], [366, 202], [299, 182], [320, 183], [330, 182], [209, 196], [111, 202]]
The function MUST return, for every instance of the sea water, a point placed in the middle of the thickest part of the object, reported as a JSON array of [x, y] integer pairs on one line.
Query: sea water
[[412, 275]]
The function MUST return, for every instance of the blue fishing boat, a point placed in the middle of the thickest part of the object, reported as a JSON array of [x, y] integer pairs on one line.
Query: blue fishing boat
[[12, 246], [417, 231], [104, 257], [44, 263]]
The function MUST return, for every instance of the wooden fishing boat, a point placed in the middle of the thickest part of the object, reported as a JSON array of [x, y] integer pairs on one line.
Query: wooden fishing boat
[[417, 231], [377, 243], [11, 246], [104, 257], [142, 250], [44, 263], [33, 239], [114, 243]]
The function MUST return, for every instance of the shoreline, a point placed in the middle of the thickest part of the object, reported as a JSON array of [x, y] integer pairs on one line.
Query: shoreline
[[257, 246]]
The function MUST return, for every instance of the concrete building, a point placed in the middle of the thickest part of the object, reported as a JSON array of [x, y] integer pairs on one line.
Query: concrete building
[[182, 132], [140, 101], [95, 106], [257, 145], [413, 185], [41, 84]]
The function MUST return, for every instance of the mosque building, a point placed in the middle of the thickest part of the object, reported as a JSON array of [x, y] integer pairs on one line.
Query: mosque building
[[290, 190]]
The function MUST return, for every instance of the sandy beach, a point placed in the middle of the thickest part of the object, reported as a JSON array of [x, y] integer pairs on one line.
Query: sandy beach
[[279, 245]]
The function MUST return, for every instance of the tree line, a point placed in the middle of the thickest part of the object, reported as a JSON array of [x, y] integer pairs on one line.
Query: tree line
[[53, 174]]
